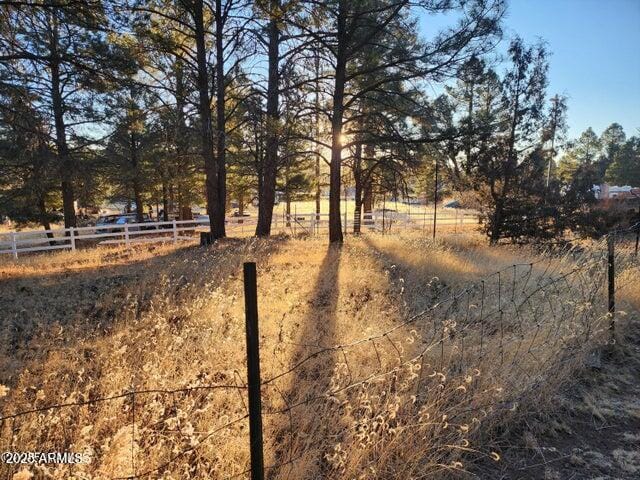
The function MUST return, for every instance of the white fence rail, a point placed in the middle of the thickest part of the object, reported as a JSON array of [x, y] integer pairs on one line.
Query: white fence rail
[[15, 243], [70, 238]]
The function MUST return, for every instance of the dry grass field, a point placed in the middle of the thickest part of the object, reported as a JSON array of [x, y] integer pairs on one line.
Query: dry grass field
[[391, 357]]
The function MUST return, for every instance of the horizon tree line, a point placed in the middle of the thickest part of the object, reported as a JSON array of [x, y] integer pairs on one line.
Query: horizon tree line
[[173, 101]]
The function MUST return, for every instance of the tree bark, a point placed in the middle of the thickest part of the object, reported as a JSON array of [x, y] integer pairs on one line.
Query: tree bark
[[44, 218], [217, 221], [137, 190], [64, 158], [206, 128], [137, 195], [366, 184], [165, 201], [317, 119], [241, 204], [357, 176], [180, 141], [367, 198], [357, 214], [496, 224], [287, 199], [335, 223], [268, 197]]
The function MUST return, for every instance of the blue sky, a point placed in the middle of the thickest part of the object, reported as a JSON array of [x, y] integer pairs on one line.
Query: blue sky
[[595, 46]]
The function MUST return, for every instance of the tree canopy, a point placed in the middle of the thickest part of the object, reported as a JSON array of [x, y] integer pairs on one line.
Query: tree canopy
[[178, 103]]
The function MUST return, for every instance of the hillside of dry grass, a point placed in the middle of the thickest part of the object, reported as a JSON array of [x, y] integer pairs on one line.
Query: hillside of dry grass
[[168, 323]]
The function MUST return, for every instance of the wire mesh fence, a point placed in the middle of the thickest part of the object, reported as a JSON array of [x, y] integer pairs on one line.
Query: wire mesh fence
[[406, 401]]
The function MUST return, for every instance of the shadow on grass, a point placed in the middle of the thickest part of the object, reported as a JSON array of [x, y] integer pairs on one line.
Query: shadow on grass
[[308, 383]]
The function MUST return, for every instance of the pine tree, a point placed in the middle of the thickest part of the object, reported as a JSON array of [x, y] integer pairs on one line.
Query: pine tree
[[62, 58], [625, 167], [28, 186]]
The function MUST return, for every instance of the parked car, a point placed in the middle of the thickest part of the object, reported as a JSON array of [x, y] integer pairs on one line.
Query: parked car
[[115, 223]]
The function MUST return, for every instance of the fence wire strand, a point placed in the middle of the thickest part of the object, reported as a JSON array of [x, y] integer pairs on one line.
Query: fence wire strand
[[514, 322]]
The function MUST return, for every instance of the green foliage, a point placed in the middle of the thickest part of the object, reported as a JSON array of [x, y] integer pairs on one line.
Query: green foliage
[[567, 167], [611, 141], [28, 190], [625, 166], [587, 148], [140, 103]]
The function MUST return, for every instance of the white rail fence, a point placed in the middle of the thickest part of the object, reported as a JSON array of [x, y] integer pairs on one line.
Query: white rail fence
[[16, 243]]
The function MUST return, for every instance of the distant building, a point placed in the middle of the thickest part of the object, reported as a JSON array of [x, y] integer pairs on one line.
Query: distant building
[[607, 192]]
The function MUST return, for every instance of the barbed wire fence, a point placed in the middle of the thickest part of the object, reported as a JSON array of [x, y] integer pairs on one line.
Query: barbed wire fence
[[428, 382]]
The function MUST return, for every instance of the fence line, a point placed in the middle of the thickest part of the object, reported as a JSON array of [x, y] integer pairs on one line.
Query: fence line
[[518, 320], [15, 243]]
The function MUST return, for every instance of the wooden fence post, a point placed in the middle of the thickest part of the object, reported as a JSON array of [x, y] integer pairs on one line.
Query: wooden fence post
[[346, 225], [72, 236], [611, 281], [253, 371], [126, 234], [14, 245], [175, 231]]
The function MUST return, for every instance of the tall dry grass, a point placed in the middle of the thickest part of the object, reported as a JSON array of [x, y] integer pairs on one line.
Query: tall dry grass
[[168, 324]]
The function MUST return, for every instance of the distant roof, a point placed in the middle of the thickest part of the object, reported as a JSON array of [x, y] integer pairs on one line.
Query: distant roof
[[615, 188]]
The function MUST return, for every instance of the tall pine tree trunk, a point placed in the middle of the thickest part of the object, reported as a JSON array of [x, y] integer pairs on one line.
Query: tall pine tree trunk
[[268, 197], [366, 184], [165, 201], [44, 218], [287, 197], [241, 204], [206, 128], [180, 142], [137, 197], [335, 224], [357, 214], [217, 221], [496, 224], [65, 163], [357, 176], [137, 189], [367, 198], [317, 119]]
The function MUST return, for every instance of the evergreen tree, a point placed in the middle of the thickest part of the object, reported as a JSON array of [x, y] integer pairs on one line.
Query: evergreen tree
[[611, 141], [29, 191], [625, 167], [128, 150], [61, 57]]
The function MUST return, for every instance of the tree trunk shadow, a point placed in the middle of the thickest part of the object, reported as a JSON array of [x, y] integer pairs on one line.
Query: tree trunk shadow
[[304, 432]]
